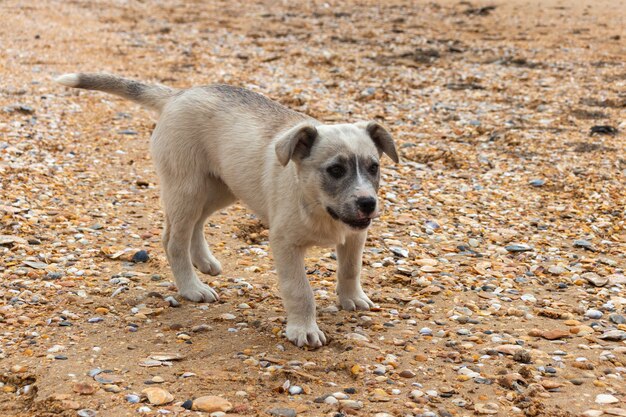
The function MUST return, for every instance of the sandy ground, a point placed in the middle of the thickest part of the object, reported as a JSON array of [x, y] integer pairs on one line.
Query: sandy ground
[[498, 263]]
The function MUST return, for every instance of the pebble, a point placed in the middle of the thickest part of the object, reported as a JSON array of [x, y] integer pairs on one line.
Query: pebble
[[140, 256], [86, 412], [518, 248], [295, 390], [592, 413], [158, 396], [330, 400], [398, 251], [595, 279], [593, 314], [282, 412], [407, 374], [211, 403], [132, 398], [425, 331], [606, 399], [488, 408], [614, 335], [352, 404], [173, 302], [583, 244]]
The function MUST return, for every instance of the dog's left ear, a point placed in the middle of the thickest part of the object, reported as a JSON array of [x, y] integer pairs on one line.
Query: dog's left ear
[[296, 143], [382, 139]]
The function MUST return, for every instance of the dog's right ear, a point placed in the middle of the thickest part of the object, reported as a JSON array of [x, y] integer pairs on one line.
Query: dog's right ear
[[296, 143]]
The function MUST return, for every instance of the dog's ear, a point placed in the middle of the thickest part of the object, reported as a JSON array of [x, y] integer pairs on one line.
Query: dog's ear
[[382, 139], [296, 143]]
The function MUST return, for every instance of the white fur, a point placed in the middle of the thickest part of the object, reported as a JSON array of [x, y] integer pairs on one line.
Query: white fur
[[68, 80]]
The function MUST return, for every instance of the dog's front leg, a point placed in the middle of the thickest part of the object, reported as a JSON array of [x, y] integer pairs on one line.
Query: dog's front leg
[[297, 295], [349, 257]]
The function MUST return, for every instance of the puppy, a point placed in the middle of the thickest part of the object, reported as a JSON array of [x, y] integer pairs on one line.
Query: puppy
[[312, 183]]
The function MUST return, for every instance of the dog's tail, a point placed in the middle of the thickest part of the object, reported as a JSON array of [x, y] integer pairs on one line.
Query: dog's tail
[[152, 96]]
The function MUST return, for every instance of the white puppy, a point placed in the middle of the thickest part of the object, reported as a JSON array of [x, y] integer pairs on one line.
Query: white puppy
[[313, 184]]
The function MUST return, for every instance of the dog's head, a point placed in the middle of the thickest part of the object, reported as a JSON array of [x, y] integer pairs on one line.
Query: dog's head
[[338, 166]]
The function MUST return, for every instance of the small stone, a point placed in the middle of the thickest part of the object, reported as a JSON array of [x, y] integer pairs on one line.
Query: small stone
[[537, 182], [606, 399], [398, 251], [556, 270], [357, 337], [187, 404], [614, 335], [211, 403], [617, 318], [84, 388], [407, 374], [616, 412], [592, 413], [415, 394], [173, 302], [583, 244], [140, 256], [351, 404], [295, 390], [158, 396], [508, 349], [595, 279], [522, 356], [166, 356], [132, 398], [489, 408], [425, 331], [379, 395], [86, 412], [593, 314], [330, 400], [201, 328], [282, 412], [518, 248], [340, 395], [549, 334]]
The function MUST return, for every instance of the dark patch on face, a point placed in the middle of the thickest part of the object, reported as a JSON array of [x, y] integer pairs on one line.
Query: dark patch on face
[[332, 213], [338, 186]]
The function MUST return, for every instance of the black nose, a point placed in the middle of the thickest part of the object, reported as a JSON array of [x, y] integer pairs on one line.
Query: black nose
[[366, 204]]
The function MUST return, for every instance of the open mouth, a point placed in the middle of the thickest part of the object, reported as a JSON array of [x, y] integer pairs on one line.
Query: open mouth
[[358, 224], [354, 223]]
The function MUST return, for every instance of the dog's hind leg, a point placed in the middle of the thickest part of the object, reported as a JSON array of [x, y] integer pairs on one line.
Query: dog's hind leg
[[184, 206], [217, 196]]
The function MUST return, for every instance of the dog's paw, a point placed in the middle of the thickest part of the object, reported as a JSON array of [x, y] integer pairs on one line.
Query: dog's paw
[[357, 301], [200, 293], [301, 335], [209, 266]]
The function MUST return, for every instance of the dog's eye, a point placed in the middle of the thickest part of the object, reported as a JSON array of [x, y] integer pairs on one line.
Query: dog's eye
[[336, 171], [373, 169]]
